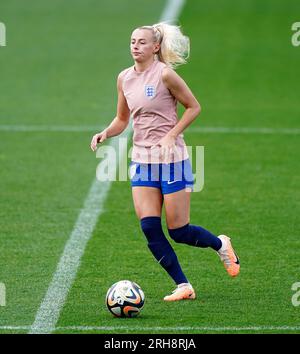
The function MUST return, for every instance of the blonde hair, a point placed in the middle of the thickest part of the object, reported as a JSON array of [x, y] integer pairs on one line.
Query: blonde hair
[[174, 46]]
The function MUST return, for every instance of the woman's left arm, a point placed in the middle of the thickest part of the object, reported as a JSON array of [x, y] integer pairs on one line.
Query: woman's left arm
[[180, 90]]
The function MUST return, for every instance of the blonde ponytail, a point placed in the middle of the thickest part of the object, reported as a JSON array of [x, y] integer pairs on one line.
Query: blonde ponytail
[[174, 46]]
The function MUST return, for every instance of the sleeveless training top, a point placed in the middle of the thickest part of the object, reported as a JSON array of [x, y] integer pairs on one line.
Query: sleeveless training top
[[154, 112]]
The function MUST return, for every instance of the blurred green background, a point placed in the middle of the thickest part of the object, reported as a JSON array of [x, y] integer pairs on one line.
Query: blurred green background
[[58, 87]]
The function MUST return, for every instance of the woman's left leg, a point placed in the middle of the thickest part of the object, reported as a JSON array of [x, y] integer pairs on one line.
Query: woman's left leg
[[177, 207]]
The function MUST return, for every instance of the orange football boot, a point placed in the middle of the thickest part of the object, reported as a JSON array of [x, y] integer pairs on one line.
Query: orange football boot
[[182, 292], [229, 257]]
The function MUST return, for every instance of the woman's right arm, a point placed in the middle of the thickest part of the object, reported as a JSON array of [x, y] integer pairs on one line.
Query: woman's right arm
[[119, 123]]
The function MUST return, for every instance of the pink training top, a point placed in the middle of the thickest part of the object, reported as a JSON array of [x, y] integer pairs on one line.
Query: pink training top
[[154, 112]]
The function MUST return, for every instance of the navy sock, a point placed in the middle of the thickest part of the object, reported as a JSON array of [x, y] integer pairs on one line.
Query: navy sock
[[161, 248], [195, 236]]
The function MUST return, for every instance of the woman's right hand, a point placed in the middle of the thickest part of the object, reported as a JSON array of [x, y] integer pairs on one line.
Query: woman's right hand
[[98, 138]]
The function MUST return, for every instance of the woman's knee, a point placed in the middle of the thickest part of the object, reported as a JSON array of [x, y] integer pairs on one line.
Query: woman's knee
[[176, 221], [178, 234]]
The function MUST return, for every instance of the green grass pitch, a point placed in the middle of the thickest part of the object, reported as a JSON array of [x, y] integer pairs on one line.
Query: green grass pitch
[[59, 68]]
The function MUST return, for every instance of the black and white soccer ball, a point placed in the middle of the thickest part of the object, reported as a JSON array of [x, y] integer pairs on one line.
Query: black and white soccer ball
[[125, 299]]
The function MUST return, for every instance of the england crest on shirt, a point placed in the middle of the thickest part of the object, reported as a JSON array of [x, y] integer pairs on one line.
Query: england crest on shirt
[[149, 91]]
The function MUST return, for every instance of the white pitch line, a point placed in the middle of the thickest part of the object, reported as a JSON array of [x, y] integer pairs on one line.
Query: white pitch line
[[162, 329], [244, 130], [14, 328], [172, 11], [191, 129], [49, 311], [180, 328], [49, 128]]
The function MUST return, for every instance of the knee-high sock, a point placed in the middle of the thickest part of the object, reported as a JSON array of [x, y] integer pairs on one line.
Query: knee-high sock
[[161, 248], [195, 236]]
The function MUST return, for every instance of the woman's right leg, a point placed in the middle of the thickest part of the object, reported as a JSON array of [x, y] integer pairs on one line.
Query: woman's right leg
[[148, 203]]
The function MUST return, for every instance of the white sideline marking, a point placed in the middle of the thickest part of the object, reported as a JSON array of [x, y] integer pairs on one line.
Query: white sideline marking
[[158, 329], [14, 328], [49, 311], [180, 328], [244, 130], [49, 128], [191, 129], [172, 10], [67, 267]]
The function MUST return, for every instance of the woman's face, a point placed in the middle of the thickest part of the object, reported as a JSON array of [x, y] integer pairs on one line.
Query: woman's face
[[142, 47]]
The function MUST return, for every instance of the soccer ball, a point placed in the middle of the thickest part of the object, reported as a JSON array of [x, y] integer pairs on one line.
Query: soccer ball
[[125, 299]]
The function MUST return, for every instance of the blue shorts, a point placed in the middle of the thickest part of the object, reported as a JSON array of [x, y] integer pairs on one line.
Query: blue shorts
[[168, 177]]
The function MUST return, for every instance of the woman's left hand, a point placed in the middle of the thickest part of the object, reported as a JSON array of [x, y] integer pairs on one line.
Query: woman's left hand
[[167, 146]]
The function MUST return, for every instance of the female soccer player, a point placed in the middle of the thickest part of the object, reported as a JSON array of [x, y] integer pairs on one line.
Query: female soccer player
[[160, 167]]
